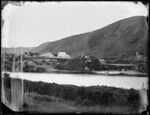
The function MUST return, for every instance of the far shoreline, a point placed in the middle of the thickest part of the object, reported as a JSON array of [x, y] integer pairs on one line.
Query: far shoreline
[[105, 73]]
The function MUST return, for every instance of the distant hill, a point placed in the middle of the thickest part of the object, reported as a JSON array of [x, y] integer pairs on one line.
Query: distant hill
[[121, 39], [16, 50]]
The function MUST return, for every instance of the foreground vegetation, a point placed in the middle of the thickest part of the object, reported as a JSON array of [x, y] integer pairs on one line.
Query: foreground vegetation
[[80, 98]]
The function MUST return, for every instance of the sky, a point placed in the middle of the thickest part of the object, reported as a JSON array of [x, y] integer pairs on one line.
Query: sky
[[34, 23]]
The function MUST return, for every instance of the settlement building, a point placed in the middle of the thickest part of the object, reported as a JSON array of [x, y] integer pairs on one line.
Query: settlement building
[[102, 61], [46, 54], [63, 55], [139, 57]]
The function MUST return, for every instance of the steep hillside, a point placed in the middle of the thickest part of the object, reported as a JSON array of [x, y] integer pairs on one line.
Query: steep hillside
[[16, 50], [121, 39], [40, 47]]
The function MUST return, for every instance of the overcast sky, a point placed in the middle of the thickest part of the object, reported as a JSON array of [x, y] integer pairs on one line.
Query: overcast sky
[[34, 23]]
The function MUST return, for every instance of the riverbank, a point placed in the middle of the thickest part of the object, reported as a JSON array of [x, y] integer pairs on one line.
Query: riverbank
[[106, 73]]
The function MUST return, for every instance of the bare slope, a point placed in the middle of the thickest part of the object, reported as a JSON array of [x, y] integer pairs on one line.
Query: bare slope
[[119, 40], [40, 47]]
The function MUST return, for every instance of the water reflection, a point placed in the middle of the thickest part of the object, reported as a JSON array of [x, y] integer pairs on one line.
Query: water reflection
[[17, 93], [86, 79]]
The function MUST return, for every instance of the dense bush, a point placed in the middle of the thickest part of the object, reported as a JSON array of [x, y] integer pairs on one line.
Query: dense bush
[[40, 69], [87, 96], [86, 102], [59, 66], [94, 64], [8, 65], [79, 64], [76, 64], [133, 97], [94, 95]]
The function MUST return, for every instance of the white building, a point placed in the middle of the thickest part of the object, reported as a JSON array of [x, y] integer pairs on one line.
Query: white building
[[139, 57], [102, 61], [46, 54], [63, 55]]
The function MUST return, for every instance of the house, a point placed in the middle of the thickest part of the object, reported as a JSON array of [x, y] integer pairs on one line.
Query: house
[[139, 57], [87, 57], [46, 55], [63, 55], [102, 61]]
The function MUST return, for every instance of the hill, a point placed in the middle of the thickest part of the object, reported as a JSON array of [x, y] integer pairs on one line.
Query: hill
[[40, 47], [121, 39]]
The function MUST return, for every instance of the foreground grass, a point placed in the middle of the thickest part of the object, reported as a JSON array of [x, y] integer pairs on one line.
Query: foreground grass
[[49, 104], [54, 98], [34, 102]]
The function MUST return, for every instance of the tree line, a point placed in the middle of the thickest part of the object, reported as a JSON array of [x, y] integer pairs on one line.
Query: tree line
[[88, 96]]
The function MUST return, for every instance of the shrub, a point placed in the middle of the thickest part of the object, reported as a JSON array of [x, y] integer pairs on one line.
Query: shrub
[[78, 101], [87, 102], [134, 98]]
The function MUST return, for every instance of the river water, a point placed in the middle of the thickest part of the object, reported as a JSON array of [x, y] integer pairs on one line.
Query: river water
[[85, 79]]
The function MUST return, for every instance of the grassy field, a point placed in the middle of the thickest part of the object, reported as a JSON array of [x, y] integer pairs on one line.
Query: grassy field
[[54, 98], [34, 102], [50, 104]]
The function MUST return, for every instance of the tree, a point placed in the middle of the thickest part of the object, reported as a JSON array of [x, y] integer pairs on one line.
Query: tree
[[6, 75], [94, 64], [31, 54], [55, 54], [134, 98], [76, 64]]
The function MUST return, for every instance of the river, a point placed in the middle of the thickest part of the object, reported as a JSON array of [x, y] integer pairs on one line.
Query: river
[[85, 79]]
